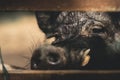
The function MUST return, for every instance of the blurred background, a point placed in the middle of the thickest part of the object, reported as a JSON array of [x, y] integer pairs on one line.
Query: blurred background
[[19, 36]]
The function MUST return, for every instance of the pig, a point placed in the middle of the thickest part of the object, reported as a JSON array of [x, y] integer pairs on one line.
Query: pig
[[95, 32]]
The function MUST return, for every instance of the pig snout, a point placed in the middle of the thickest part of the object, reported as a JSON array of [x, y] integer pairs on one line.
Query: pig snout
[[53, 58], [48, 57]]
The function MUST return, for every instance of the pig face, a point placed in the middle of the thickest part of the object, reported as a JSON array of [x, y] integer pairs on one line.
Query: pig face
[[84, 30], [78, 32]]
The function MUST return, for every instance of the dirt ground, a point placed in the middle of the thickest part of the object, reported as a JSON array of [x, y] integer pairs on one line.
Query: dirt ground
[[19, 36]]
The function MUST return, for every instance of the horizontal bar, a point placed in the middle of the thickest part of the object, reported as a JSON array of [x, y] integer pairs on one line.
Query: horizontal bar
[[61, 5], [64, 75], [64, 71]]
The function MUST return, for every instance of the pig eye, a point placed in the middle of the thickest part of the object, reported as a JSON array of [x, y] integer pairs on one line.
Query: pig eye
[[97, 29]]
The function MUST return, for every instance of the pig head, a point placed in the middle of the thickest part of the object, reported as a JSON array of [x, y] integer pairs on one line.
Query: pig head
[[89, 39]]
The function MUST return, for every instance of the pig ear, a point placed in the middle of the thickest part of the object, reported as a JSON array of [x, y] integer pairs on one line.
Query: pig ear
[[47, 20]]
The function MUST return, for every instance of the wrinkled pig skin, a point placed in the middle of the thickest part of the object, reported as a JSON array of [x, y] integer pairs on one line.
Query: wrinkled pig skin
[[78, 30]]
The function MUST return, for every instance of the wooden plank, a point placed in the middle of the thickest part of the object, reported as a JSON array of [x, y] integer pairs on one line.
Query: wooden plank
[[58, 5], [64, 75]]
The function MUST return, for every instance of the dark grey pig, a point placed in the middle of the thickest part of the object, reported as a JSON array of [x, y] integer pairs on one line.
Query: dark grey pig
[[98, 32]]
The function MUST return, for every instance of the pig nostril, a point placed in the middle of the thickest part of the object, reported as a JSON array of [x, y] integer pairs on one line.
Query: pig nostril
[[53, 58]]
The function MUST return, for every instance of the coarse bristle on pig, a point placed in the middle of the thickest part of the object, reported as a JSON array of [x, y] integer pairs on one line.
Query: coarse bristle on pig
[[76, 31]]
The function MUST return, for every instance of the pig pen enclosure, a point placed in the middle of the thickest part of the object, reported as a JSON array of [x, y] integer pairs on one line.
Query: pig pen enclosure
[[60, 40]]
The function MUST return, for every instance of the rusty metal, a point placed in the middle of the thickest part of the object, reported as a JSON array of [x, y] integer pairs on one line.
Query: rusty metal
[[64, 75], [58, 5]]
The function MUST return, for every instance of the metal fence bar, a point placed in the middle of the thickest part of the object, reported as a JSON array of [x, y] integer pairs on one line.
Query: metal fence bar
[[58, 5]]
